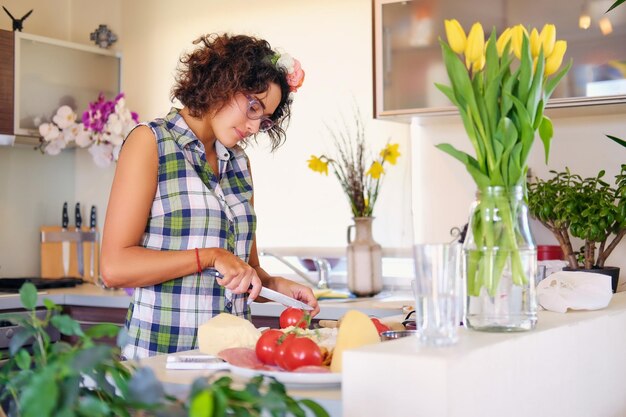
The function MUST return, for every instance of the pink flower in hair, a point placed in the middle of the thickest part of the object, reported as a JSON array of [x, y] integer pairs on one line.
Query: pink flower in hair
[[295, 73]]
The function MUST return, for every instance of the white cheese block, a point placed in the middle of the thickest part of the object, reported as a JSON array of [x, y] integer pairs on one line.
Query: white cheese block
[[356, 330], [226, 331]]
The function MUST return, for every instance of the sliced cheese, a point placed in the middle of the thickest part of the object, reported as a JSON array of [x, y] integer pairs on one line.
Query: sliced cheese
[[226, 331], [356, 330]]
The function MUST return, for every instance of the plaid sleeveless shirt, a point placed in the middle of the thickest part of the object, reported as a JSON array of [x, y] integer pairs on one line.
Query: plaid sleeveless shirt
[[191, 209]]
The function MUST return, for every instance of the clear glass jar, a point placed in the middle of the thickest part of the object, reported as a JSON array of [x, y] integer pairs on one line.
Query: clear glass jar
[[500, 263]]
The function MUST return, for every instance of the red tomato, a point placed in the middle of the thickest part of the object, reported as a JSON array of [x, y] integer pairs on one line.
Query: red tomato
[[266, 346], [380, 327], [294, 317], [297, 352], [281, 351]]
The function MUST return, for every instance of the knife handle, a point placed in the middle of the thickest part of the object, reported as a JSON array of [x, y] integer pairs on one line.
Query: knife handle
[[65, 219], [77, 217], [92, 218]]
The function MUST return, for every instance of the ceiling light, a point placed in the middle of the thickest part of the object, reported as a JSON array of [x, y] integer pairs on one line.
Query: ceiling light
[[584, 20], [605, 26]]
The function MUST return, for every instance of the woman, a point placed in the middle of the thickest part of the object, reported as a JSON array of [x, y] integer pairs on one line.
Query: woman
[[181, 204]]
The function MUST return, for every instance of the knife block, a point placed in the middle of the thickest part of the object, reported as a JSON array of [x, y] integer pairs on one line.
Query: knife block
[[52, 252]]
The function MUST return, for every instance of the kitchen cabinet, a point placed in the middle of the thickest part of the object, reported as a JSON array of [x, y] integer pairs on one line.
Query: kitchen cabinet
[[88, 316], [407, 54], [39, 74]]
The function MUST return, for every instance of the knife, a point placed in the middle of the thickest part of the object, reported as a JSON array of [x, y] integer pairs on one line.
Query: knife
[[92, 226], [273, 295], [65, 244], [79, 243]]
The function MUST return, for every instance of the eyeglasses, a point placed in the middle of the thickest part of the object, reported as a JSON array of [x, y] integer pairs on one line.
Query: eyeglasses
[[255, 112]]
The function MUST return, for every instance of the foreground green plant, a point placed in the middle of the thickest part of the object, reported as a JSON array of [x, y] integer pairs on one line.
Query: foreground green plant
[[586, 208], [88, 379], [500, 88]]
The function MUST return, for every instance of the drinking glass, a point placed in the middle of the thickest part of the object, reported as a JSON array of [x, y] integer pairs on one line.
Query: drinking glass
[[438, 292]]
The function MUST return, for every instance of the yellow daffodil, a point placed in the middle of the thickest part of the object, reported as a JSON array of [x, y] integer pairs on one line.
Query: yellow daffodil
[[475, 48], [390, 153], [556, 58], [547, 38], [456, 35], [376, 170], [535, 43], [504, 38], [318, 165], [517, 38]]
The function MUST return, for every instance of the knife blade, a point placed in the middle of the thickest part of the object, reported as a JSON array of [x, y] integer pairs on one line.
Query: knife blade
[[273, 295], [79, 243], [65, 244], [92, 226]]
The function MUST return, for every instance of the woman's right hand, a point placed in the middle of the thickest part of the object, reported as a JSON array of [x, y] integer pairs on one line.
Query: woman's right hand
[[238, 276]]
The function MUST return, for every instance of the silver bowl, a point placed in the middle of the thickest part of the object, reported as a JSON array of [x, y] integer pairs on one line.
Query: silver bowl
[[397, 334]]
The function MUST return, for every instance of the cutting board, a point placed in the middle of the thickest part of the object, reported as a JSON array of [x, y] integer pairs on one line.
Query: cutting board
[[52, 257]]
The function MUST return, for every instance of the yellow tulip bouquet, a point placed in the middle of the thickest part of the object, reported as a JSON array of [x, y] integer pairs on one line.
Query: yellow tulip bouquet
[[500, 87], [360, 181]]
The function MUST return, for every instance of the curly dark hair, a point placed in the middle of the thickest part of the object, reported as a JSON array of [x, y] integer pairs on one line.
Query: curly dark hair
[[224, 65]]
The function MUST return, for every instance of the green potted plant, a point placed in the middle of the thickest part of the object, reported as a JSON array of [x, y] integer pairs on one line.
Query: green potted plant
[[87, 379], [589, 209]]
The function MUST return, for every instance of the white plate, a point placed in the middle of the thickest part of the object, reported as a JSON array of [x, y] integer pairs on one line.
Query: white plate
[[304, 380]]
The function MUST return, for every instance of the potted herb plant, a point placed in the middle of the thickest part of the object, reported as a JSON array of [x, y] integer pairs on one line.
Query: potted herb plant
[[88, 378], [589, 209]]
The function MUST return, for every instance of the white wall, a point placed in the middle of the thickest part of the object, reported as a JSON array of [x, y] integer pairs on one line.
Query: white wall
[[33, 186], [295, 206]]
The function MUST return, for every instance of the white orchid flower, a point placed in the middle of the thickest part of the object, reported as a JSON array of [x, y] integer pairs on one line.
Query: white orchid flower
[[48, 131], [102, 154], [83, 137], [55, 146], [65, 117], [114, 125]]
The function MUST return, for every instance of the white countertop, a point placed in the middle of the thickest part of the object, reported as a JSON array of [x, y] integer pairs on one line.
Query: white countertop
[[571, 365]]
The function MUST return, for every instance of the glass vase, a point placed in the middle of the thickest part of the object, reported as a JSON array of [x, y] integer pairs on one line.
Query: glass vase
[[500, 263], [364, 259]]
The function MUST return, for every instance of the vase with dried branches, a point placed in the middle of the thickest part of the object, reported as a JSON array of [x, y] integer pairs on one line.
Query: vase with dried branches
[[360, 177]]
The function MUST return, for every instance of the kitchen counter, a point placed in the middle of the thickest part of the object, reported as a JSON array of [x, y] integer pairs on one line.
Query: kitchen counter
[[570, 365], [89, 295]]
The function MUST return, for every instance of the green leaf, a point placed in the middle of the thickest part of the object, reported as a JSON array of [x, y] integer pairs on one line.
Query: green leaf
[[28, 296], [66, 325], [32, 400], [145, 386], [51, 305], [20, 337], [448, 92], [317, 409], [617, 140], [552, 82], [92, 406], [23, 359], [614, 5], [535, 94], [526, 72], [546, 132], [470, 163], [202, 404], [102, 330]]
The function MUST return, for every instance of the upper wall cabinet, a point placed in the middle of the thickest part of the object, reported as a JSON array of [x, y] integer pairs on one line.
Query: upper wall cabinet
[[408, 55], [46, 74]]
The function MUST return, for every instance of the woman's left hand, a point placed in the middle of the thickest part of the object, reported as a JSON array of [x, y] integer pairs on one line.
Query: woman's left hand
[[298, 291]]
